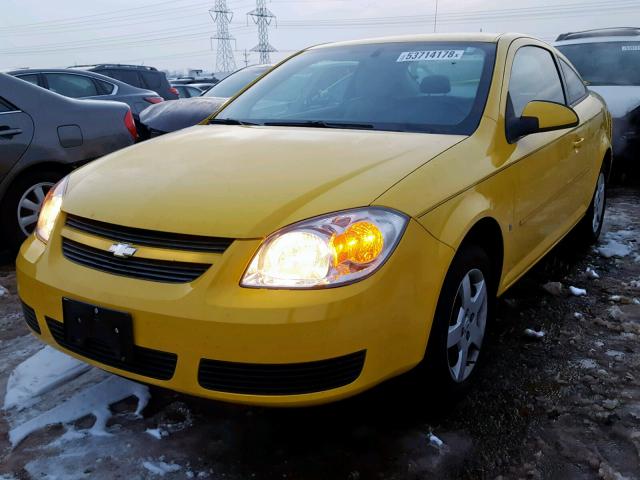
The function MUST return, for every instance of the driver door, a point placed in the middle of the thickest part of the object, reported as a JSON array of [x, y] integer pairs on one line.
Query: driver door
[[542, 161]]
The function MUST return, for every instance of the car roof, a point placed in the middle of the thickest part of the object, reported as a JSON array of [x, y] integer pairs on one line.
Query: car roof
[[427, 37], [122, 86], [601, 35]]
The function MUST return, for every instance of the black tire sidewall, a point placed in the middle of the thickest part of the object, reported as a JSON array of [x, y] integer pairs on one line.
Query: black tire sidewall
[[11, 233], [435, 363]]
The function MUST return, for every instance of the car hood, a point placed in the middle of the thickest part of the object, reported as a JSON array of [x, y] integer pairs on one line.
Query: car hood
[[175, 115], [245, 182], [620, 99]]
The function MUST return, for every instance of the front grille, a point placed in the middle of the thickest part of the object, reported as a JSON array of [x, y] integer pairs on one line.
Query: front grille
[[146, 362], [30, 317], [149, 238], [143, 268], [280, 379]]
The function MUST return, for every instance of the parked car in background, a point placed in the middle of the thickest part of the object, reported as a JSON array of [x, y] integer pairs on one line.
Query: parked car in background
[[350, 216], [187, 91], [609, 61], [43, 136], [203, 86], [86, 84], [171, 116], [137, 75]]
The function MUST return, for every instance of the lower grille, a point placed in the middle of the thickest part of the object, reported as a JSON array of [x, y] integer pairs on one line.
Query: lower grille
[[146, 362], [30, 317], [143, 268], [280, 379]]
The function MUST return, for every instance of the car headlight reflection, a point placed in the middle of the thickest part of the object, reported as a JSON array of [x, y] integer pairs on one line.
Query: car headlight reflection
[[330, 250]]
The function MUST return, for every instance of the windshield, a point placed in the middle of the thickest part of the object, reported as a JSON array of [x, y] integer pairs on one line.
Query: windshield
[[229, 86], [411, 87], [610, 63]]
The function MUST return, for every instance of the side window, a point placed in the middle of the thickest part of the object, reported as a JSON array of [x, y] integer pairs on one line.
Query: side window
[[74, 86], [152, 80], [193, 92], [106, 87], [534, 76], [6, 107], [31, 78], [576, 90], [126, 76]]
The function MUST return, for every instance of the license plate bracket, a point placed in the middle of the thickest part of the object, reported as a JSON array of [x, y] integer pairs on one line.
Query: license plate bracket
[[109, 331]]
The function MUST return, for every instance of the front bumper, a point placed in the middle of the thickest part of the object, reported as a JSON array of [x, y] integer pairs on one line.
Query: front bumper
[[212, 324]]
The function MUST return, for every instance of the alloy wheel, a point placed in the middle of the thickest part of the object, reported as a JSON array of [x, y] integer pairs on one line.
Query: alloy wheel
[[467, 325], [30, 204]]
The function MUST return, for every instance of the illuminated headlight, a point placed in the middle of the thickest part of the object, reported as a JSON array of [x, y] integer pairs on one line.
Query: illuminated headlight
[[50, 210], [325, 251]]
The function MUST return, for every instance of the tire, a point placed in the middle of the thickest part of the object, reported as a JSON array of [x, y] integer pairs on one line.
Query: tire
[[589, 228], [27, 192], [459, 324]]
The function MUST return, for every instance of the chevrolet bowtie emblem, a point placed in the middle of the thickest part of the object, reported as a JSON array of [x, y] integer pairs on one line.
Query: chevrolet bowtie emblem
[[122, 250]]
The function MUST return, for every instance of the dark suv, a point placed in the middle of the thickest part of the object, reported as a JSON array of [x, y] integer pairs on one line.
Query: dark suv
[[138, 76]]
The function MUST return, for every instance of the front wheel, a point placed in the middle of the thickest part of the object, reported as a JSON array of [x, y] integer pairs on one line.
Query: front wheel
[[460, 324]]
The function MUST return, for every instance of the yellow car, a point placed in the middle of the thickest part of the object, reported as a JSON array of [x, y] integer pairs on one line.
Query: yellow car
[[349, 216]]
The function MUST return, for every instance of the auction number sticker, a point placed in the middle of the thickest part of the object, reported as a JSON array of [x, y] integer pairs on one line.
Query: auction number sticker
[[630, 48], [427, 55]]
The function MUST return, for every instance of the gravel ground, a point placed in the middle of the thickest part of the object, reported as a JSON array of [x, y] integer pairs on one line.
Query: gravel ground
[[565, 406]]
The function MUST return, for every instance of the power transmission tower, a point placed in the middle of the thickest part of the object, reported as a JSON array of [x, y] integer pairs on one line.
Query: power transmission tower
[[246, 57], [221, 15], [263, 18]]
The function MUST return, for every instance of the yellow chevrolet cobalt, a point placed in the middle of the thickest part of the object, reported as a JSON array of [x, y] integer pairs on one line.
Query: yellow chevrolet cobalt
[[348, 217]]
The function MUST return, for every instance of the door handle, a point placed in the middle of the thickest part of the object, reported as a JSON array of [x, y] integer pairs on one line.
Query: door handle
[[578, 143], [9, 132]]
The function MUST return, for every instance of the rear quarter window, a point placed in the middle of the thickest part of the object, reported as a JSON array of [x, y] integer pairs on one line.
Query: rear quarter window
[[152, 80], [126, 76], [6, 106]]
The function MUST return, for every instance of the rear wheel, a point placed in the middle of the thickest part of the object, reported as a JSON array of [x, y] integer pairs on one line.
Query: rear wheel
[[22, 203], [590, 226], [460, 324]]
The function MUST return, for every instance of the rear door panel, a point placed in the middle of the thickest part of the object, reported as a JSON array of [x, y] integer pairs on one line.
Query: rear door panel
[[13, 146]]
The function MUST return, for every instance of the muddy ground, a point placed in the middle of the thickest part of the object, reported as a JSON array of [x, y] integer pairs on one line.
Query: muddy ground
[[566, 406]]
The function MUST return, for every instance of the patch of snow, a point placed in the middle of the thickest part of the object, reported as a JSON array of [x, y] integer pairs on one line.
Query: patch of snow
[[158, 433], [161, 468], [598, 343], [614, 248], [615, 313], [577, 292], [39, 374], [435, 441], [534, 333], [578, 315], [3, 291], [587, 363], [615, 354], [591, 273], [94, 400], [634, 284]]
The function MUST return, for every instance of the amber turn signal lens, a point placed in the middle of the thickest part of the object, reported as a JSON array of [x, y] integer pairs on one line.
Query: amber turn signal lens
[[361, 243]]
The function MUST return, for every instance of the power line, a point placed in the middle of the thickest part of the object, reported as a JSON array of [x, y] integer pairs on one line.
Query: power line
[[160, 36], [263, 17], [222, 16]]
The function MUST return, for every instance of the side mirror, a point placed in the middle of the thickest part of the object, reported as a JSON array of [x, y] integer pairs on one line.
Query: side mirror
[[540, 116]]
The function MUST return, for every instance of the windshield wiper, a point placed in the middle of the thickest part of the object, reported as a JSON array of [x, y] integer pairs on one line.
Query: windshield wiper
[[228, 121], [320, 124]]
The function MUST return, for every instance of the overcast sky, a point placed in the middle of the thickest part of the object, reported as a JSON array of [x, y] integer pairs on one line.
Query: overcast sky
[[176, 34]]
